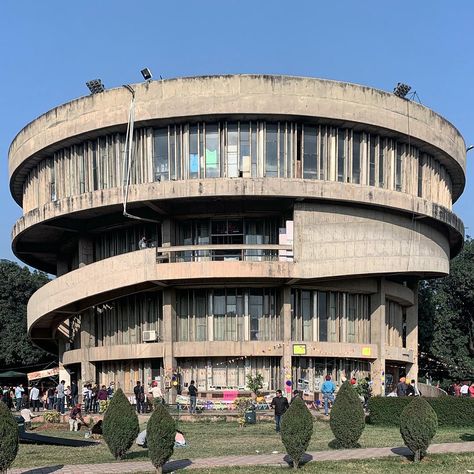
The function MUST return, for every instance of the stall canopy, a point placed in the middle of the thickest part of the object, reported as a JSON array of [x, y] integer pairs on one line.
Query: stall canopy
[[11, 374], [41, 374]]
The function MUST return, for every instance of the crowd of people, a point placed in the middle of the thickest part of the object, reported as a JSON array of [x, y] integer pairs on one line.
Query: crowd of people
[[461, 389]]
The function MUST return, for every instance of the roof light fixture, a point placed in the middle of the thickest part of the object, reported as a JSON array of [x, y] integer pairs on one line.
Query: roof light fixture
[[401, 90], [95, 86], [146, 73]]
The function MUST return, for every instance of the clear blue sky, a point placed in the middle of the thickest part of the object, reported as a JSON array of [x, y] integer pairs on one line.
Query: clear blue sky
[[49, 49]]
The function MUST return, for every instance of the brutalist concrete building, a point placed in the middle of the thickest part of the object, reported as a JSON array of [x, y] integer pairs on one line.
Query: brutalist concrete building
[[213, 227]]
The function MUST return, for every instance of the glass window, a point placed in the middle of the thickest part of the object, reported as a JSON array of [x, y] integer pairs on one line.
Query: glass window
[[232, 150], [306, 316], [245, 160], [322, 153], [420, 175], [212, 151], [341, 154], [201, 318], [356, 157], [160, 154], [398, 166], [271, 150], [219, 310], [254, 149], [282, 149], [310, 153], [255, 313], [372, 151], [382, 145], [323, 316], [193, 152]]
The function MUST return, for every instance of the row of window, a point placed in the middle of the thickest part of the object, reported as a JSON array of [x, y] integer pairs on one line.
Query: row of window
[[239, 149]]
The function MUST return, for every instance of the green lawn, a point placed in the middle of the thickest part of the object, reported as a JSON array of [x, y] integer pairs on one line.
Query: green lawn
[[436, 464], [219, 439]]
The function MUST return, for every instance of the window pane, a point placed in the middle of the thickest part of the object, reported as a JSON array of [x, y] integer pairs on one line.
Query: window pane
[[323, 316], [193, 152], [232, 150], [382, 145], [309, 153], [271, 166], [245, 160], [212, 151], [356, 158], [161, 154], [372, 150], [398, 167], [306, 315], [341, 154]]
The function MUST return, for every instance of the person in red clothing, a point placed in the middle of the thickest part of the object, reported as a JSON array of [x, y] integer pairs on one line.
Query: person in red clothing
[[103, 394], [471, 390]]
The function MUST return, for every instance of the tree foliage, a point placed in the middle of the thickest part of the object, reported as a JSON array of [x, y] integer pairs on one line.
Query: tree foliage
[[418, 425], [255, 383], [446, 320], [160, 435], [347, 419], [120, 427], [8, 438], [296, 430], [17, 284]]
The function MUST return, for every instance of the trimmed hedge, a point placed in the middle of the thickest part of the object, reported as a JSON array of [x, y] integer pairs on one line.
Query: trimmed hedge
[[296, 430], [451, 411], [160, 435], [8, 438], [347, 419]]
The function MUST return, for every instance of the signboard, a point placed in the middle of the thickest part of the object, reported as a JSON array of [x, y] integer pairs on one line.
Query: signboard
[[41, 374], [299, 349], [366, 351]]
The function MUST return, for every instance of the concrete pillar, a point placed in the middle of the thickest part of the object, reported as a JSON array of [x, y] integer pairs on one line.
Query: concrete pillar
[[88, 369], [167, 233], [285, 314], [377, 334], [412, 335], [85, 247], [63, 372], [169, 335]]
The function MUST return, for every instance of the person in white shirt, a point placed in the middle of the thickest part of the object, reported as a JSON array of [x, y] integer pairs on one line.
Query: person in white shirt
[[34, 398], [465, 390], [27, 416], [155, 390]]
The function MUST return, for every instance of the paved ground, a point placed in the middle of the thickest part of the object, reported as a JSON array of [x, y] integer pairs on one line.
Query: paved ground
[[253, 460]]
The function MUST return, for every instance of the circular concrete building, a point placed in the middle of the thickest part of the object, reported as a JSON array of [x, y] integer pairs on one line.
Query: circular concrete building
[[250, 224]]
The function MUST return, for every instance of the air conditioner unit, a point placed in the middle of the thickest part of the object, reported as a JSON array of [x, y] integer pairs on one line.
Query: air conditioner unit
[[150, 336]]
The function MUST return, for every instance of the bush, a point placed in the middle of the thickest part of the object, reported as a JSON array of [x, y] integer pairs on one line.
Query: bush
[[418, 424], [103, 405], [347, 419], [451, 411], [296, 430], [120, 426], [8, 438], [51, 416], [242, 404], [160, 435]]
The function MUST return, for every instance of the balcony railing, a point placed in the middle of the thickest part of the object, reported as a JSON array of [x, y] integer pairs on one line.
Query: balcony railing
[[226, 252]]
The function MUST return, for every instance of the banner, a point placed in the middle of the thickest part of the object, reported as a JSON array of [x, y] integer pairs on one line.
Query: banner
[[41, 374]]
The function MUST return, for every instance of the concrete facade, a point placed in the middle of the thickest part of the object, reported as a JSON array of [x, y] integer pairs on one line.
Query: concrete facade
[[287, 222]]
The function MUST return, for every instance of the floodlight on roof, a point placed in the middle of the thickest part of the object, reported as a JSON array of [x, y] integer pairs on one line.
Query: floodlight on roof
[[95, 86], [401, 90], [146, 73]]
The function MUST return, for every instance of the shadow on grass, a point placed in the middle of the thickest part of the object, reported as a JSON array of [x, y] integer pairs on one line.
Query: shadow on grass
[[305, 459], [403, 452], [467, 436], [171, 466], [142, 455], [45, 470]]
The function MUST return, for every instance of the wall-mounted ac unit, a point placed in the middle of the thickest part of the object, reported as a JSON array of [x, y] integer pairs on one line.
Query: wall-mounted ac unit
[[150, 336]]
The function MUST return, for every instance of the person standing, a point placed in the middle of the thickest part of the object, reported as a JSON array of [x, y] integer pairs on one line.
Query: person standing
[[192, 390], [464, 389], [155, 391], [402, 387], [328, 389], [412, 390], [139, 397], [280, 405], [110, 390], [296, 394], [19, 390], [34, 397], [60, 395]]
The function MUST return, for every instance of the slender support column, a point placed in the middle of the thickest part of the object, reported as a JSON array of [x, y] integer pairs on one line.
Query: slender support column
[[412, 335], [169, 335], [377, 328], [285, 365], [88, 369]]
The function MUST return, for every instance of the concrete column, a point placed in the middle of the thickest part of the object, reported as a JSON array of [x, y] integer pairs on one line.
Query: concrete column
[[167, 233], [412, 334], [169, 335], [85, 247], [377, 334], [88, 369], [63, 372], [285, 315]]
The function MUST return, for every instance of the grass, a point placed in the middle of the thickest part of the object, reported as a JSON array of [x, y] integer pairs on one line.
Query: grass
[[219, 439], [434, 464]]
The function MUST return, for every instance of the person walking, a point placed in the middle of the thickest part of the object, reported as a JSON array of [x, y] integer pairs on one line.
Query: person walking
[[60, 395], [280, 405], [402, 387], [192, 390], [19, 390], [328, 389], [34, 398], [139, 392]]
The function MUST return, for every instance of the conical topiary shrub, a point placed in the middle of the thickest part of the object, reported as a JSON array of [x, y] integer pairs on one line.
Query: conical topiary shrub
[[160, 435], [120, 427], [296, 430], [418, 425], [347, 419], [8, 438]]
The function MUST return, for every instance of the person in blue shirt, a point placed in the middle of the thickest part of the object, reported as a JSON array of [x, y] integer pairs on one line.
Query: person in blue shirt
[[328, 388], [19, 390]]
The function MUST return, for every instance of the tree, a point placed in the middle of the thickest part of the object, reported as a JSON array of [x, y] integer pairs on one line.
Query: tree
[[418, 425], [446, 320], [347, 418], [8, 438], [160, 435], [255, 383], [296, 430], [17, 284], [120, 426]]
